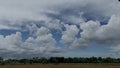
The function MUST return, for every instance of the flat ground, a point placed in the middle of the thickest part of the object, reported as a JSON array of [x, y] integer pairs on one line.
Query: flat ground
[[87, 65]]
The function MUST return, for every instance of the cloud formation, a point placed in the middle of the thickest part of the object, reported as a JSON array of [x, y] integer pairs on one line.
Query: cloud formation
[[43, 43], [69, 35], [102, 34], [15, 14], [79, 23]]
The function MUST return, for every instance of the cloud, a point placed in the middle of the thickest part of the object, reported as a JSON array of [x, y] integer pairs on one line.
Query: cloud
[[94, 32], [42, 44], [16, 14], [69, 35], [72, 18], [105, 33], [10, 42]]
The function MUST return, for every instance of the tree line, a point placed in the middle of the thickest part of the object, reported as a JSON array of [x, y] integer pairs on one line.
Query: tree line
[[57, 60]]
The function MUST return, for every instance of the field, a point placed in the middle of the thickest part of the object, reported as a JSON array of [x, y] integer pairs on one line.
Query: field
[[62, 66]]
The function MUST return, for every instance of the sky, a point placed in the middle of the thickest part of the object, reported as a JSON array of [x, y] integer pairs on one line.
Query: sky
[[68, 28]]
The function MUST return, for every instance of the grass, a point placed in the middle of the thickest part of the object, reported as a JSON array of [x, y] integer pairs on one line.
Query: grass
[[85, 65]]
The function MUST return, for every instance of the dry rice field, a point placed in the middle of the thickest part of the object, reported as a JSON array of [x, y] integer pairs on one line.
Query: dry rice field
[[85, 65]]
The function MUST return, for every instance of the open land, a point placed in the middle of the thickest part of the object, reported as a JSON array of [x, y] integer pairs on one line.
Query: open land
[[82, 65]]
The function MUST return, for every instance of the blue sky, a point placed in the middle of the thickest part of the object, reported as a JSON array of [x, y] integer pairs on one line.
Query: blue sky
[[44, 28]]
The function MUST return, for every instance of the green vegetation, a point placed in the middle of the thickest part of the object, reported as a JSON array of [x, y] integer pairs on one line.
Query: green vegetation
[[57, 60]]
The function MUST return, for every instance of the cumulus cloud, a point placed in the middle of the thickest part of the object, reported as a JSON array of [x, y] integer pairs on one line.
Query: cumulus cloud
[[105, 33], [108, 34], [10, 42], [69, 35], [93, 32], [72, 18], [15, 14], [42, 44]]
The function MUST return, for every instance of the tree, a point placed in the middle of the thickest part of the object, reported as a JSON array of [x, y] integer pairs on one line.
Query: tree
[[24, 61], [1, 59], [43, 60], [99, 59], [93, 59]]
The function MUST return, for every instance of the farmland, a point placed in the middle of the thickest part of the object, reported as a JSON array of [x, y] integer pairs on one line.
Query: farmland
[[69, 65]]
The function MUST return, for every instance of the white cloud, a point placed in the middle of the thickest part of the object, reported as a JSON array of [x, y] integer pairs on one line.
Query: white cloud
[[69, 35], [53, 24], [111, 30], [89, 29], [10, 42], [93, 32], [42, 43], [16, 13], [108, 34], [32, 28], [39, 17]]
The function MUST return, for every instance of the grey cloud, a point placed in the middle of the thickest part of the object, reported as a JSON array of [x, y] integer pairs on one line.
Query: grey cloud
[[69, 35], [95, 33], [16, 13], [108, 34], [43, 43], [39, 17]]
